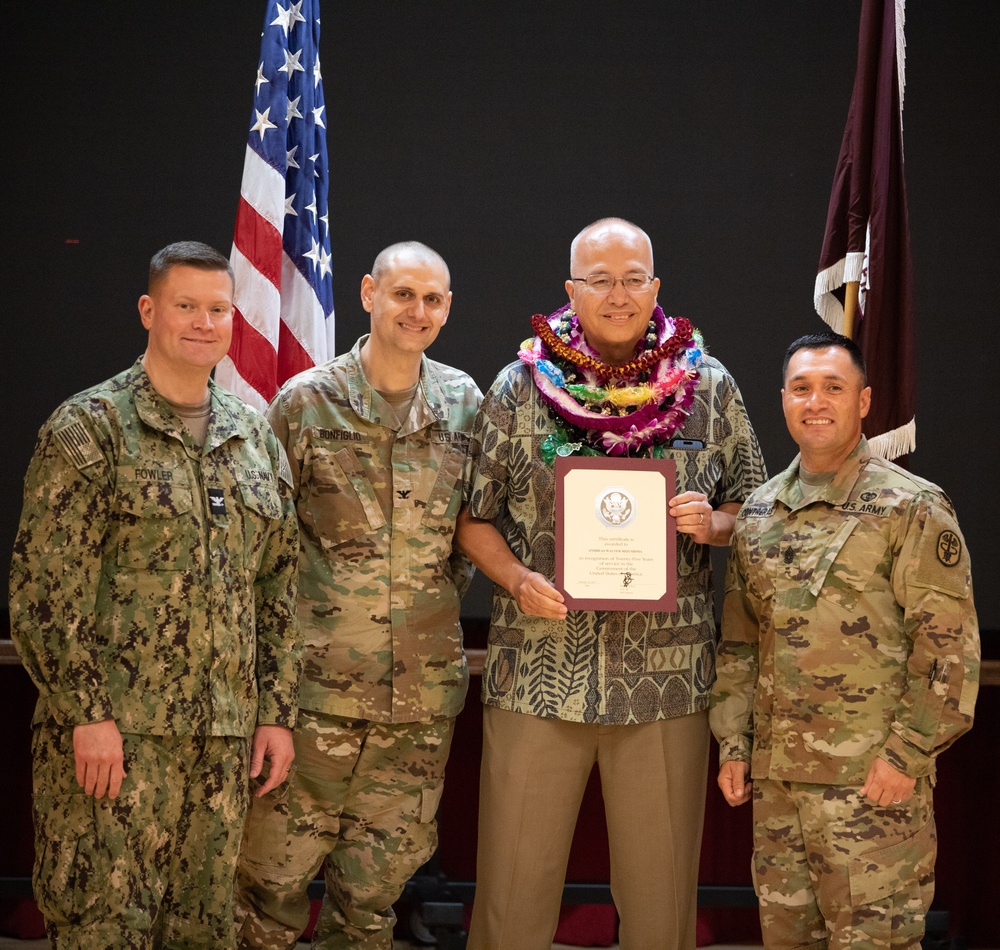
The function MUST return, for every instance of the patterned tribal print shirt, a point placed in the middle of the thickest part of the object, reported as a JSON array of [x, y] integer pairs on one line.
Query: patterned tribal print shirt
[[610, 667]]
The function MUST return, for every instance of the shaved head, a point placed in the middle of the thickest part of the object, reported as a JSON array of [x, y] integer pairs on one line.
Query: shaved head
[[612, 320], [605, 230], [412, 250]]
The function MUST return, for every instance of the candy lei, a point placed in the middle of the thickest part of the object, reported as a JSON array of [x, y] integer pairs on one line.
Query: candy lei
[[607, 407]]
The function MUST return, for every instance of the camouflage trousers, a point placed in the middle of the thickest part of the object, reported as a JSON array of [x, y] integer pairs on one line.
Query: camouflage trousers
[[152, 868], [361, 796], [833, 870]]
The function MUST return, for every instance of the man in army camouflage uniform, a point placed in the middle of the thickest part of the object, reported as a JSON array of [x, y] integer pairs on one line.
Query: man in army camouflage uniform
[[376, 440], [849, 660], [625, 689], [152, 602]]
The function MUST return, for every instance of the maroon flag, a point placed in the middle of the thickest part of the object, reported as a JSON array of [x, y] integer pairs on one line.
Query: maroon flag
[[867, 232]]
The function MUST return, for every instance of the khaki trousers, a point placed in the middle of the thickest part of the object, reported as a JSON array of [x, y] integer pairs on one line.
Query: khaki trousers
[[534, 773]]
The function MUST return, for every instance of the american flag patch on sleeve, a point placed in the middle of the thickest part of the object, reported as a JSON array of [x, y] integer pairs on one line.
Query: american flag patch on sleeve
[[78, 444]]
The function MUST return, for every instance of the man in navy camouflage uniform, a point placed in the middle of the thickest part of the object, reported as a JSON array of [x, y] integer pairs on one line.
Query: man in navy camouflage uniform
[[152, 602], [849, 661]]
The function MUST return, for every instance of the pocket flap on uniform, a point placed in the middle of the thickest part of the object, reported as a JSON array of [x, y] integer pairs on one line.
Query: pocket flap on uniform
[[823, 558], [857, 559], [886, 871], [152, 533], [262, 498], [430, 799], [362, 486], [153, 492]]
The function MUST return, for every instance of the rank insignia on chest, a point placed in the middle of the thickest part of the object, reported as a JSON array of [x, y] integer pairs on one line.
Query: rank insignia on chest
[[216, 501]]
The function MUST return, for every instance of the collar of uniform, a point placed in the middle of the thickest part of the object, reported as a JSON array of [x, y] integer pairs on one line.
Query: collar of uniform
[[231, 417], [156, 413], [150, 406], [429, 404], [839, 489]]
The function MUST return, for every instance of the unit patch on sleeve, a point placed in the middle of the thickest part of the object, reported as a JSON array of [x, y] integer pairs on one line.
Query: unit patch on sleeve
[[78, 445], [949, 548]]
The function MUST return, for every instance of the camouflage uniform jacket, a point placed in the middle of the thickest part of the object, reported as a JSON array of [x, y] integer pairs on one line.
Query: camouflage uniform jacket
[[379, 589], [848, 629], [153, 582], [610, 667]]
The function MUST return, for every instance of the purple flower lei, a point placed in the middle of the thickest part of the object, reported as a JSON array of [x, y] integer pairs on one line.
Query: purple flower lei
[[633, 431]]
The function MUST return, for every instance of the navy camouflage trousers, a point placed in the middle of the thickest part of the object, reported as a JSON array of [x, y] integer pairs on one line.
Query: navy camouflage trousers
[[152, 868]]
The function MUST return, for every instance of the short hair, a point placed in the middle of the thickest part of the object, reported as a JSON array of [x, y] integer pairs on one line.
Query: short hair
[[820, 341], [186, 254], [600, 222], [381, 264]]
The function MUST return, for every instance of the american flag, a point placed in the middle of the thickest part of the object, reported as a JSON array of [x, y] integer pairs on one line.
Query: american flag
[[867, 235], [283, 321]]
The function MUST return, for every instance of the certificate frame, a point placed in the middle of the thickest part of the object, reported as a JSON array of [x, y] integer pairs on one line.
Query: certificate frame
[[616, 553]]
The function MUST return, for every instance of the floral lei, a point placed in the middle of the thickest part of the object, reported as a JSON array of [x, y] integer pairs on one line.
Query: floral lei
[[615, 410]]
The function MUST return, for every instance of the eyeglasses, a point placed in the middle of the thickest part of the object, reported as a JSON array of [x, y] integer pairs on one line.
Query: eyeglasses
[[605, 283]]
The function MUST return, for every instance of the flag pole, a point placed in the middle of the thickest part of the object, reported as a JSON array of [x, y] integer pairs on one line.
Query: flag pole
[[851, 291]]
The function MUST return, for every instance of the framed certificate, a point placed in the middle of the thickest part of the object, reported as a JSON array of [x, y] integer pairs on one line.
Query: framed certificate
[[615, 539]]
